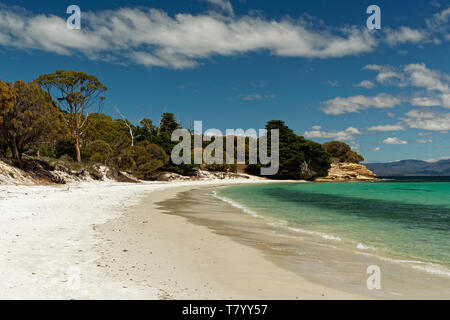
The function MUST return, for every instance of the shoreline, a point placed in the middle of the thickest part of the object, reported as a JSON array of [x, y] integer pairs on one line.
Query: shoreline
[[187, 260], [160, 241], [319, 260]]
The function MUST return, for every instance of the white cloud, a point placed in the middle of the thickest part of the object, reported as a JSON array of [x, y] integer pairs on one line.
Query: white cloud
[[404, 35], [317, 127], [420, 76], [151, 37], [429, 140], [436, 160], [386, 74], [376, 149], [341, 105], [345, 135], [425, 101], [365, 84], [439, 22], [427, 120], [257, 96], [224, 5], [436, 83], [389, 127], [394, 141]]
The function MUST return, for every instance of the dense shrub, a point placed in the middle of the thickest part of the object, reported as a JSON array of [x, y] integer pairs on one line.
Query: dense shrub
[[142, 159], [341, 152], [98, 151]]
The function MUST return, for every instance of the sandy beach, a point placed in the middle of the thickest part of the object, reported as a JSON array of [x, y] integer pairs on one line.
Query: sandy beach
[[113, 241]]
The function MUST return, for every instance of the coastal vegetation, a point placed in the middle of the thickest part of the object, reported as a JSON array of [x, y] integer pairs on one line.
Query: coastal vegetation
[[341, 152], [56, 117]]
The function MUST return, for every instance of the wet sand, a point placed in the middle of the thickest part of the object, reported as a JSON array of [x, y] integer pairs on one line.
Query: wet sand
[[152, 245], [191, 245]]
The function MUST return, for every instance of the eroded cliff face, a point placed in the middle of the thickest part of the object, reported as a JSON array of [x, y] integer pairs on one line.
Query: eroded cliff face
[[348, 172]]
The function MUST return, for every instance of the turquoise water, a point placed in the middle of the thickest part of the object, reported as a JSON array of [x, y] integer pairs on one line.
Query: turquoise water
[[408, 219]]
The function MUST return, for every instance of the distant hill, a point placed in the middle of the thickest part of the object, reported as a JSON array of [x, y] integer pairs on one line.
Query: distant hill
[[410, 168]]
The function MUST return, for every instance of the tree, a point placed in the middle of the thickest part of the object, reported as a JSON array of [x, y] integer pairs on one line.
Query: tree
[[341, 152], [291, 157], [146, 130], [298, 158], [168, 124], [131, 128], [142, 159], [102, 127], [77, 93], [7, 99], [316, 162], [98, 151], [32, 117]]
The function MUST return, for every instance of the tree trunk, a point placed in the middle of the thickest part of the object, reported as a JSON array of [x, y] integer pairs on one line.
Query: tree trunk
[[77, 149], [15, 151]]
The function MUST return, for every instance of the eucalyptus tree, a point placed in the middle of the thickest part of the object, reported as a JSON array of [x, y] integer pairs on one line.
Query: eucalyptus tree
[[77, 93], [32, 118]]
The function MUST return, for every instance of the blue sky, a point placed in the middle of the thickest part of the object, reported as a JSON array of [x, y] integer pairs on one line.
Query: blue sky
[[238, 64]]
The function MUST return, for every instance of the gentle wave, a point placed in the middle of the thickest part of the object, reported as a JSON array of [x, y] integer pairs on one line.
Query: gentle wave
[[237, 205], [278, 223], [418, 265]]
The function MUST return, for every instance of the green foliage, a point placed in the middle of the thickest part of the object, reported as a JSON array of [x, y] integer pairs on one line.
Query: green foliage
[[46, 150], [299, 158], [162, 136], [168, 124], [32, 119], [7, 99], [142, 159], [100, 126], [3, 147], [146, 130], [76, 93], [98, 151], [65, 147], [341, 152]]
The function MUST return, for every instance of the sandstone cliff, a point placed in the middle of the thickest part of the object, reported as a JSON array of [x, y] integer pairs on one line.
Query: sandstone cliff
[[348, 172]]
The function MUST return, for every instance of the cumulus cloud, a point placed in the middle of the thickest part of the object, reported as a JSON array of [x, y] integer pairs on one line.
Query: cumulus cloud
[[341, 105], [427, 120], [425, 101], [439, 22], [152, 37], [389, 127], [387, 75], [404, 35], [365, 84], [394, 140], [435, 83], [344, 135]]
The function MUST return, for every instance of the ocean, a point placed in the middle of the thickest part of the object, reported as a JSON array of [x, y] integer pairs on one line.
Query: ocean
[[405, 219]]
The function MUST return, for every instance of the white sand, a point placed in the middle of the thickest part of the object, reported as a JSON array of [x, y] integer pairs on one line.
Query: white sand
[[48, 235]]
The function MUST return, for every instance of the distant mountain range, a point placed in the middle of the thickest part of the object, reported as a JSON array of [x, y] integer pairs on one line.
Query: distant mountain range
[[409, 168]]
